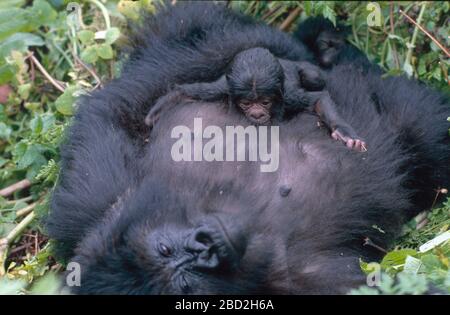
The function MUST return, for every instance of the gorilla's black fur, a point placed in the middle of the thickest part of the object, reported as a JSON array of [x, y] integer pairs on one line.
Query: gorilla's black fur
[[138, 222]]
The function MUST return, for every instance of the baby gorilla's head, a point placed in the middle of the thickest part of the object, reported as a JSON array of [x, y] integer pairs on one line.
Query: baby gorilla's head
[[255, 81]]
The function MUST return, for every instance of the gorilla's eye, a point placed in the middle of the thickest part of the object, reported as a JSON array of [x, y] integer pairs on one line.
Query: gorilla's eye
[[324, 44], [164, 250], [266, 103], [244, 103]]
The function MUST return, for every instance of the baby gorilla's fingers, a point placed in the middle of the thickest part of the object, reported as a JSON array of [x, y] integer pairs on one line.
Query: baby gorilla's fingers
[[151, 118], [347, 135], [167, 100], [350, 143], [358, 145]]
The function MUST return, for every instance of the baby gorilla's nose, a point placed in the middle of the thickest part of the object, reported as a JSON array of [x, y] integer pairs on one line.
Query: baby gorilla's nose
[[257, 114]]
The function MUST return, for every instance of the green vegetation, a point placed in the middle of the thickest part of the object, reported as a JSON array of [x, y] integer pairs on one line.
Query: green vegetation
[[49, 56]]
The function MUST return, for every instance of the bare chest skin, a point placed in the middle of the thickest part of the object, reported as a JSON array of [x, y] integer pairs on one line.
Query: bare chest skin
[[306, 171]]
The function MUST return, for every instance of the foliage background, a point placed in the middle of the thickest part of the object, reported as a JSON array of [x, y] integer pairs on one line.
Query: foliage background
[[49, 56]]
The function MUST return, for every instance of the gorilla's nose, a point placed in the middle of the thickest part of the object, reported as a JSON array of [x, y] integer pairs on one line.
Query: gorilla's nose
[[204, 242], [257, 115]]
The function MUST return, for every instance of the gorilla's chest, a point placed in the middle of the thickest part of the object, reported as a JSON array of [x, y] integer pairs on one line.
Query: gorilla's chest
[[289, 169]]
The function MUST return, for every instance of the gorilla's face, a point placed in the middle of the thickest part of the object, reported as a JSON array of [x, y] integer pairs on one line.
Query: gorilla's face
[[185, 259], [167, 254]]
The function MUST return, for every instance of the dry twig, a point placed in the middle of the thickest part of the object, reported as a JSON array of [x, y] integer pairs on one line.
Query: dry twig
[[290, 19], [445, 50], [57, 84], [5, 192]]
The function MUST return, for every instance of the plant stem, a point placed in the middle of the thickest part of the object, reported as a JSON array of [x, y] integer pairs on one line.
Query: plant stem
[[412, 43], [104, 12], [426, 33], [7, 241]]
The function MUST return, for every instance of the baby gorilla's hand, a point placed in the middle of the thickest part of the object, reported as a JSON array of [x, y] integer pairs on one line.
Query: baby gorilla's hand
[[154, 113], [311, 80], [347, 135]]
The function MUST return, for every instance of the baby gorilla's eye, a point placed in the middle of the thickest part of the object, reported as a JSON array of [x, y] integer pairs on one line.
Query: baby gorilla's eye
[[266, 103], [164, 250]]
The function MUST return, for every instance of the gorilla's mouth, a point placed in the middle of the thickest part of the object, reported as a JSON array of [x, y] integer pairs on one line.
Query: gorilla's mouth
[[260, 121], [230, 243]]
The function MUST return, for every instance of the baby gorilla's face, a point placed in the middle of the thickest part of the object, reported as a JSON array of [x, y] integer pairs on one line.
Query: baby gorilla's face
[[258, 110]]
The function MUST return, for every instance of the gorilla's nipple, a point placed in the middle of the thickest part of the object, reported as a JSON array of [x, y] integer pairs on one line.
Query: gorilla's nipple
[[285, 190]]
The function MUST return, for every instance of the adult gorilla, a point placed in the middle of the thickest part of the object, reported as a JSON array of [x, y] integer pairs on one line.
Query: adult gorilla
[[138, 222]]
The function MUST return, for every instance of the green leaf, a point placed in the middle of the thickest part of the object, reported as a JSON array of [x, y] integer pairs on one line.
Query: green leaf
[[86, 37], [48, 284], [42, 13], [36, 125], [64, 103], [307, 7], [129, 9], [6, 73], [8, 286], [24, 90], [89, 54], [105, 51], [431, 262], [5, 131], [6, 4], [329, 14], [32, 156], [19, 23], [396, 259], [112, 35], [20, 42]]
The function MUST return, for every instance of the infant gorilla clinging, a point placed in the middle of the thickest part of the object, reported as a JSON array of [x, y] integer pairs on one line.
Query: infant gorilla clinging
[[264, 87]]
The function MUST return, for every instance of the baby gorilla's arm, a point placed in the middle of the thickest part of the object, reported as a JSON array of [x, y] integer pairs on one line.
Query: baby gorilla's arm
[[304, 88], [311, 76], [303, 74], [325, 107], [297, 99], [213, 91]]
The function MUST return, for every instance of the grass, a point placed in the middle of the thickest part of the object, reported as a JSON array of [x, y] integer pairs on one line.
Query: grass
[[49, 57]]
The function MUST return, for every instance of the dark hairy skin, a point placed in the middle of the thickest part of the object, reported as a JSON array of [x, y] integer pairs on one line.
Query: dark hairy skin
[[138, 222], [266, 88]]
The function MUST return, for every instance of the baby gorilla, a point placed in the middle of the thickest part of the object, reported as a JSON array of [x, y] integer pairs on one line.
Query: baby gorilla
[[264, 87]]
